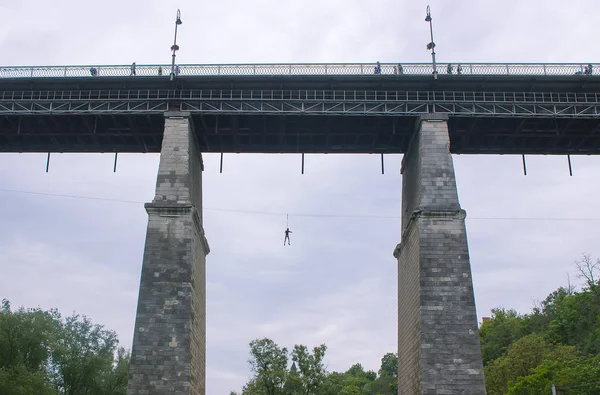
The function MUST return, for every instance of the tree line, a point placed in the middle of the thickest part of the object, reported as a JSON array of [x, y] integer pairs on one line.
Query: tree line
[[43, 353], [307, 375], [556, 344]]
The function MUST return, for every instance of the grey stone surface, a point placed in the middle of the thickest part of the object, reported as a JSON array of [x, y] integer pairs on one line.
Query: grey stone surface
[[438, 340], [169, 342]]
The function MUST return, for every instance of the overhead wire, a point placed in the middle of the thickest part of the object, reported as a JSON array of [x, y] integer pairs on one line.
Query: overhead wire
[[308, 215]]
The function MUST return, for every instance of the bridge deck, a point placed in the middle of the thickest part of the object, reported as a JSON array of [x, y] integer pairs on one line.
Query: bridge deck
[[533, 109]]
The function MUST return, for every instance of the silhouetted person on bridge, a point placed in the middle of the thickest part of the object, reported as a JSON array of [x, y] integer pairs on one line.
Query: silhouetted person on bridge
[[287, 236], [378, 68], [589, 69], [132, 69], [449, 68], [93, 71], [159, 70], [459, 69]]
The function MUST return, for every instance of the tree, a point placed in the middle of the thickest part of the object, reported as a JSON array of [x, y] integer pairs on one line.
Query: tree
[[253, 387], [497, 334], [333, 384], [42, 354], [523, 356], [588, 270], [18, 380], [115, 380], [557, 343], [294, 384], [25, 347], [83, 356], [25, 336], [387, 382], [565, 368], [269, 363], [350, 389], [310, 366], [389, 365], [575, 320]]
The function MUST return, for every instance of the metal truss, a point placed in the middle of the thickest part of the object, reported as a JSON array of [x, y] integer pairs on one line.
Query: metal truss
[[308, 102], [95, 71]]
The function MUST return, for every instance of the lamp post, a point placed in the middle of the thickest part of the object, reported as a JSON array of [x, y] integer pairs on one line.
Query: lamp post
[[175, 47], [431, 45]]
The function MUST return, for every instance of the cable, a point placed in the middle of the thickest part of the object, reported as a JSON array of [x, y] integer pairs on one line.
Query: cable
[[70, 196], [307, 215]]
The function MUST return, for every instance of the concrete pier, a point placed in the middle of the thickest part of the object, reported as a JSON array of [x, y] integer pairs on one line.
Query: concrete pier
[[169, 342], [438, 339]]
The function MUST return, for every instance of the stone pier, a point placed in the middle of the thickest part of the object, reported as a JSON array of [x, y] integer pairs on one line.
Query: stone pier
[[169, 342], [438, 339]]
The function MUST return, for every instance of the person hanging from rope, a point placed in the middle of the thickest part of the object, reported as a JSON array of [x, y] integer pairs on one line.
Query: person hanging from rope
[[287, 230], [287, 236]]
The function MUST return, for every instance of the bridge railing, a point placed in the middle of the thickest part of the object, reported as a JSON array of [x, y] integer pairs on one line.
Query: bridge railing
[[471, 69]]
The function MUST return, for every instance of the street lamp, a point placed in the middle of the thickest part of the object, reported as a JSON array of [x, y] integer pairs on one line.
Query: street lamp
[[431, 45], [175, 47]]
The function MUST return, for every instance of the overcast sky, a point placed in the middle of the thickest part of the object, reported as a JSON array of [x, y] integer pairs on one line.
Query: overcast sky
[[336, 283]]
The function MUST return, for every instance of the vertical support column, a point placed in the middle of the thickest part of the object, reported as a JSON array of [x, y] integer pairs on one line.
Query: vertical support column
[[438, 339], [169, 341]]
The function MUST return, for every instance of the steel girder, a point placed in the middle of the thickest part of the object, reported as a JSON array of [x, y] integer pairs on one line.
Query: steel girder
[[369, 103]]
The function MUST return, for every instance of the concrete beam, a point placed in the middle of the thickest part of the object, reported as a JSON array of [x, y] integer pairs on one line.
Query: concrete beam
[[438, 339], [169, 341]]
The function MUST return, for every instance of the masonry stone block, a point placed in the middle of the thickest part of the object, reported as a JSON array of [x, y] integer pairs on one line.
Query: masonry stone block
[[438, 339], [169, 341]]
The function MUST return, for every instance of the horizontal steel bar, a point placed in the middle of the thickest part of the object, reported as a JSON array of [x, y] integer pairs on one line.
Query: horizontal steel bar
[[99, 71], [347, 96], [529, 110]]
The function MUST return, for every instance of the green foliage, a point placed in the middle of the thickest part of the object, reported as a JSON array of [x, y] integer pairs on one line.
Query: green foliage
[[83, 356], [576, 320], [269, 364], [563, 373], [389, 365], [308, 376], [25, 336], [294, 384], [499, 333], [557, 343], [522, 357], [42, 353], [310, 366], [18, 380], [253, 388]]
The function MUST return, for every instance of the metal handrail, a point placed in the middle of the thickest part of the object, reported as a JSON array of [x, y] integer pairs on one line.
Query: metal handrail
[[301, 69]]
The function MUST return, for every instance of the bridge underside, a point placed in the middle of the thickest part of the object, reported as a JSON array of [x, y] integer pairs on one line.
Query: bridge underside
[[296, 134], [303, 114]]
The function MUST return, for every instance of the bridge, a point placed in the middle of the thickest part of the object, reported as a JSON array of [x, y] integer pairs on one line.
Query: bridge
[[493, 108], [306, 108]]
